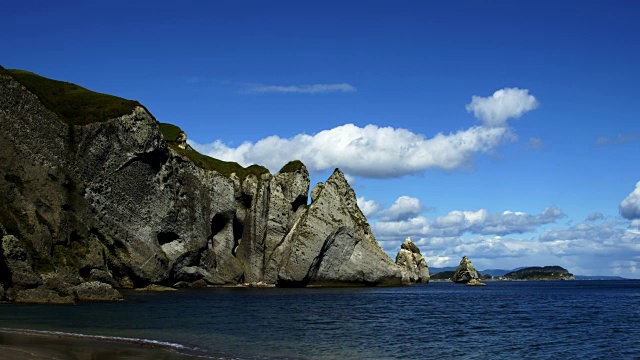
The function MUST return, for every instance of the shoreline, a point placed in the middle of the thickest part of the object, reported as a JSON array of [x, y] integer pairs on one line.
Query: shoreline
[[19, 344]]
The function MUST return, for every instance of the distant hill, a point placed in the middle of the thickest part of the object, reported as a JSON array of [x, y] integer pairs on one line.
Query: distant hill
[[435, 270], [540, 273], [496, 272], [442, 275]]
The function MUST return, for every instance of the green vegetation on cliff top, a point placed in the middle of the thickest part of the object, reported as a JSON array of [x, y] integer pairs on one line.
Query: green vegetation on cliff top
[[226, 168], [291, 166], [74, 104]]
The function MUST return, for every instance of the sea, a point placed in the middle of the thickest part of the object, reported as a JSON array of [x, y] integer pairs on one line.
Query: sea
[[440, 320]]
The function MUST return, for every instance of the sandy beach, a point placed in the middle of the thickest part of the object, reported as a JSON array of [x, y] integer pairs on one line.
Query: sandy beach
[[26, 345]]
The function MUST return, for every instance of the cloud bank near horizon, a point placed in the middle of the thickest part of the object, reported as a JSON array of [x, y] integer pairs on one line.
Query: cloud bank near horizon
[[386, 152], [594, 247]]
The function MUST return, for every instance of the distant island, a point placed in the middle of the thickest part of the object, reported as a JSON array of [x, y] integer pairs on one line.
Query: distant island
[[540, 273], [533, 273]]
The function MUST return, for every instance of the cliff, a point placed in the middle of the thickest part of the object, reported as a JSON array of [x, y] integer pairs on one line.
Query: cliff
[[540, 273], [93, 189]]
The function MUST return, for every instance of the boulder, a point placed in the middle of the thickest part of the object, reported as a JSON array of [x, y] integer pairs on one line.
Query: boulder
[[96, 291], [465, 272], [42, 295], [19, 264], [475, 282], [414, 265]]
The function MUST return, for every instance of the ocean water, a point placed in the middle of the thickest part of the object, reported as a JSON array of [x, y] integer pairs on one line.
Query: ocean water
[[503, 320]]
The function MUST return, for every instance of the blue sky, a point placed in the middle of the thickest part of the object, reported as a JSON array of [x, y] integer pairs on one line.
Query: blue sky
[[502, 130]]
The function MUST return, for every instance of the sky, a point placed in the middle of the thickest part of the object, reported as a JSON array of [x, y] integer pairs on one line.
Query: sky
[[507, 131]]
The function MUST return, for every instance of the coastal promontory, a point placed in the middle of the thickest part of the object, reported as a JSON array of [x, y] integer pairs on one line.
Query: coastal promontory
[[95, 193]]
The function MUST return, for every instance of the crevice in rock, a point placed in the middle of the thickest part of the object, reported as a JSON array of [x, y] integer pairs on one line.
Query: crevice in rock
[[238, 230], [165, 237], [154, 159], [299, 201]]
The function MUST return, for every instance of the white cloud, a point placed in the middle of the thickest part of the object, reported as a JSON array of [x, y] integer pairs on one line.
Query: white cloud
[[595, 216], [457, 223], [368, 207], [301, 89], [370, 151], [630, 206], [620, 139], [382, 152], [503, 104], [403, 208]]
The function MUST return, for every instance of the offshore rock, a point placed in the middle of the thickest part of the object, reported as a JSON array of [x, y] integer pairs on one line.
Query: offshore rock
[[475, 282], [465, 272], [415, 269], [332, 243]]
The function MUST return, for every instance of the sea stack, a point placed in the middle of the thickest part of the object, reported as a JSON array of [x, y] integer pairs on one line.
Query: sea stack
[[414, 266], [465, 272]]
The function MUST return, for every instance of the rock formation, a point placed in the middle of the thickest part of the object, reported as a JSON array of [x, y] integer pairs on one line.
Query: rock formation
[[332, 244], [415, 269], [465, 272], [114, 199]]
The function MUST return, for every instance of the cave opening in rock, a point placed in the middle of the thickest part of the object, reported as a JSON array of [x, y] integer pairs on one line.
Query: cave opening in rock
[[218, 222], [247, 200], [165, 237], [299, 201]]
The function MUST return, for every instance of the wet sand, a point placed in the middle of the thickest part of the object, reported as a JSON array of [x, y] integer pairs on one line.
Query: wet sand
[[26, 345]]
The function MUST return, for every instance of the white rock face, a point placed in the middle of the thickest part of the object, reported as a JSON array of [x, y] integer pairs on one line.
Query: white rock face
[[415, 269], [332, 243]]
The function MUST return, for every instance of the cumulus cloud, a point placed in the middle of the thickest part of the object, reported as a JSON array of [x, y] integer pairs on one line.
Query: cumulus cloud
[[370, 151], [595, 216], [368, 207], [384, 152], [616, 140], [630, 206], [508, 240], [457, 223], [301, 89], [403, 208], [503, 104]]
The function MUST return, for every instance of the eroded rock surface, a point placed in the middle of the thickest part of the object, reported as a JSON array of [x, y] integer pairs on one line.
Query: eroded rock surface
[[332, 243]]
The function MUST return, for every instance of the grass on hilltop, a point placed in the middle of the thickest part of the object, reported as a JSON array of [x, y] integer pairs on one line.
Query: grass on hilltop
[[226, 168], [74, 104]]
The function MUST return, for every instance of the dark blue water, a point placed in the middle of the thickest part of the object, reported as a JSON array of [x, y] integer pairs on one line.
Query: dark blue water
[[503, 320]]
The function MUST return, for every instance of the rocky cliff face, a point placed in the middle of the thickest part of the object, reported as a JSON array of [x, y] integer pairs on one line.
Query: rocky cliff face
[[413, 263], [465, 272], [113, 202]]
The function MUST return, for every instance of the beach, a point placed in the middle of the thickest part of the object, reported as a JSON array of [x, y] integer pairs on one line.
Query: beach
[[18, 345]]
